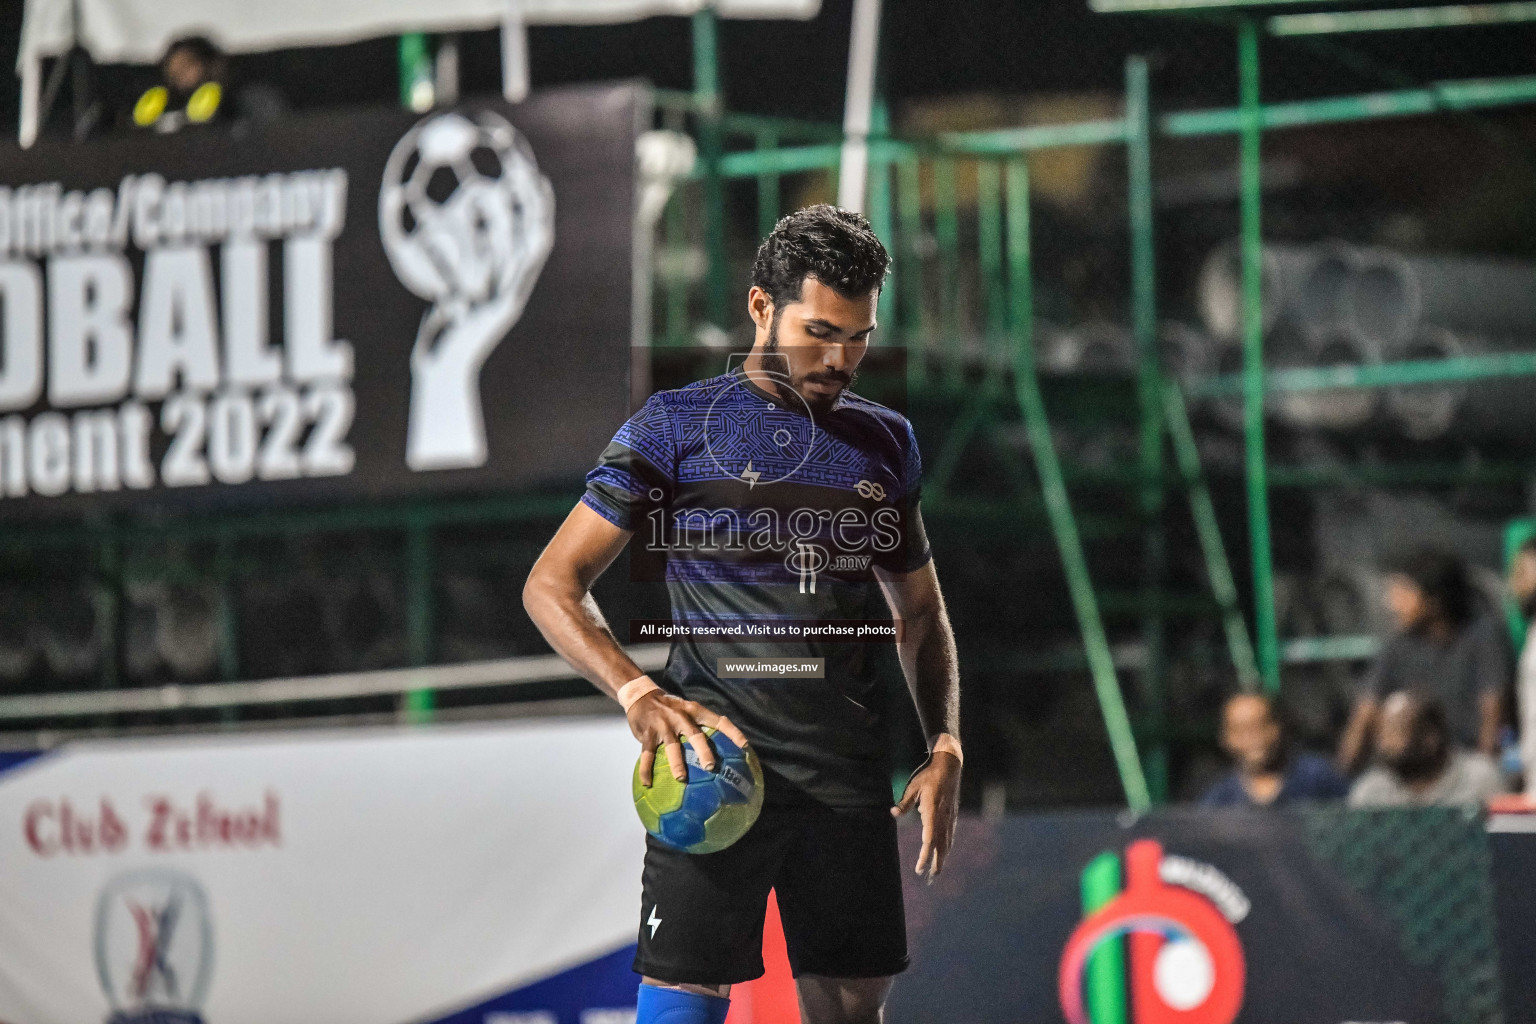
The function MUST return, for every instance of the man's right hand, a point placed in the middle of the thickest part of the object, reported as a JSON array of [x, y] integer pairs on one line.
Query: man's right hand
[[659, 719]]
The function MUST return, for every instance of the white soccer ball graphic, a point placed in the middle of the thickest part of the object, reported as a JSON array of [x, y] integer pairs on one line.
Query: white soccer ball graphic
[[464, 213], [467, 221]]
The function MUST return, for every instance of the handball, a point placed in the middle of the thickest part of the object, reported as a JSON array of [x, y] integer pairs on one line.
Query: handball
[[712, 809]]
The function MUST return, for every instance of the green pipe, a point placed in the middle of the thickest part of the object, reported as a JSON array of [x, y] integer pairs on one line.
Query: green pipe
[[1105, 974], [1473, 94], [418, 617], [1007, 141], [1253, 359], [1448, 475], [109, 608], [1158, 6], [1336, 22], [679, 101], [1380, 375], [1138, 127], [881, 218], [415, 66], [767, 186], [909, 268], [946, 228], [1106, 685], [781, 161], [674, 234], [976, 410], [1331, 648], [1217, 569], [706, 86], [989, 254]]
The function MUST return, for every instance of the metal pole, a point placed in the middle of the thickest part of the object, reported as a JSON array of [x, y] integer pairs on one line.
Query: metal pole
[[863, 55], [1335, 22], [909, 209], [706, 92], [109, 608], [674, 240], [883, 219], [515, 78], [946, 229], [31, 102], [1138, 118], [989, 253], [228, 620], [416, 90], [1208, 530], [1101, 661], [418, 625], [767, 186], [1253, 357]]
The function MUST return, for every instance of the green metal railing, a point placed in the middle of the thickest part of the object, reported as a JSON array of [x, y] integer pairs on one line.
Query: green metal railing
[[914, 202]]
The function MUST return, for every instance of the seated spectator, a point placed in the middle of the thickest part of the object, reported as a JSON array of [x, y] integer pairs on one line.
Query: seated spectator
[[1267, 772], [1444, 647], [194, 89], [1418, 762]]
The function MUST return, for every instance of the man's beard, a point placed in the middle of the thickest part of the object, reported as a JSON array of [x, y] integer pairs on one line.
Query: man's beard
[[1421, 762], [788, 386]]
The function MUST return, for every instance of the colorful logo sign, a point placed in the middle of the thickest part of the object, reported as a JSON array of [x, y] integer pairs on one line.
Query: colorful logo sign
[[154, 947], [1160, 950]]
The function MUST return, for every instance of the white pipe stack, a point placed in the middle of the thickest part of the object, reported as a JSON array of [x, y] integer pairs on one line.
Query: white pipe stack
[[1426, 412], [1394, 296], [1350, 305], [1329, 410]]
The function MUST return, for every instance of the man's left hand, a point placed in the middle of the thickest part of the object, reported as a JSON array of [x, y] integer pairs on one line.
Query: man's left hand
[[935, 792]]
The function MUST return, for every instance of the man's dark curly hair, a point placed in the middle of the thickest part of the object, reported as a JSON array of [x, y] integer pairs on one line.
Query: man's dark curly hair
[[837, 247]]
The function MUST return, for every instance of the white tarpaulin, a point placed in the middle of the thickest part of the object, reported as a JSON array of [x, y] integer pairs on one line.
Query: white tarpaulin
[[338, 878], [138, 31]]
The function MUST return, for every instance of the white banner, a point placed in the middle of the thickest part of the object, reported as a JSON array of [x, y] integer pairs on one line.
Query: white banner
[[139, 31], [486, 873]]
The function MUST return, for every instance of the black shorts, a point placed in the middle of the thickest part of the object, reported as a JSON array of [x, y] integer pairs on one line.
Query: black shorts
[[837, 877]]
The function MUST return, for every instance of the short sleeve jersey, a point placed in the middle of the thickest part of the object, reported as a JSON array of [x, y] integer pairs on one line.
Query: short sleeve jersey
[[759, 514]]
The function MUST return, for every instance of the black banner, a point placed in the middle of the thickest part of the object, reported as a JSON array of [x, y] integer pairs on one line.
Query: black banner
[[1194, 917], [346, 305]]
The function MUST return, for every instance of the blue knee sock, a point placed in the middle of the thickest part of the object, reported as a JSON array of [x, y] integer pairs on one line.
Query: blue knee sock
[[669, 1006]]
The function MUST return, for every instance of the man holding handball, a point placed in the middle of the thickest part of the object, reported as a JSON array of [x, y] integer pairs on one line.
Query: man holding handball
[[773, 494]]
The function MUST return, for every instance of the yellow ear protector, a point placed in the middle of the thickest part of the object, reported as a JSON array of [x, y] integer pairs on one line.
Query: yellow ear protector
[[150, 106], [204, 102]]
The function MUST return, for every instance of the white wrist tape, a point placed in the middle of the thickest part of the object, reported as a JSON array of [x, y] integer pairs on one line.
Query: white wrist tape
[[634, 690], [948, 744]]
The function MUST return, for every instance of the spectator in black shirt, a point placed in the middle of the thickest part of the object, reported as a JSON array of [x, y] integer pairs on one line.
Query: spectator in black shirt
[[194, 89], [1445, 649]]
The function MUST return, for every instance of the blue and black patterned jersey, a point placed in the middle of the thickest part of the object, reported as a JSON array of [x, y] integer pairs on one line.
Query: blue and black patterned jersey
[[755, 514]]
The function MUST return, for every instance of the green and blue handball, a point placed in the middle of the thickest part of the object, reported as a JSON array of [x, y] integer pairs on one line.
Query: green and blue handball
[[712, 809]]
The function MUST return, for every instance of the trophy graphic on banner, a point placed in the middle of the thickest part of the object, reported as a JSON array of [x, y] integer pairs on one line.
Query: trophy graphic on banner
[[467, 221]]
